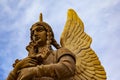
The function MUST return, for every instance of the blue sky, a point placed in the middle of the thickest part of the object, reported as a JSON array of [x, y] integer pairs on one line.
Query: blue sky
[[101, 19]]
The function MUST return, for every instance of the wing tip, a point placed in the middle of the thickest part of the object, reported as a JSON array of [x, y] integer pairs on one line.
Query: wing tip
[[72, 11]]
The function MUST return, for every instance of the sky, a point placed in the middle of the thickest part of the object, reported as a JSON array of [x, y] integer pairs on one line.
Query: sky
[[101, 21]]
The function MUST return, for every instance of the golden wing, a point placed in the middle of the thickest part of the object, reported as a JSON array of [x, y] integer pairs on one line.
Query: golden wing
[[88, 66]]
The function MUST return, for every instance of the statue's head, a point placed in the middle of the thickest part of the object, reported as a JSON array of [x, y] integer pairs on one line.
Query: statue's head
[[42, 34]]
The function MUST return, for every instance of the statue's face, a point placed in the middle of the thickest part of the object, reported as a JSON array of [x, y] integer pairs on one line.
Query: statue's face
[[39, 35]]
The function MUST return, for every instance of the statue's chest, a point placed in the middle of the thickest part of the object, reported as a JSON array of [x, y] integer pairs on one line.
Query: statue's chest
[[51, 59]]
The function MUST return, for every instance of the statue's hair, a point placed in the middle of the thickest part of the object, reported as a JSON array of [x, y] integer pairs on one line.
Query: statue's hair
[[50, 35]]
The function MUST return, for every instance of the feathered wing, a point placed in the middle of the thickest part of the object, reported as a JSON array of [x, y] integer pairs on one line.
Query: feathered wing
[[88, 66]]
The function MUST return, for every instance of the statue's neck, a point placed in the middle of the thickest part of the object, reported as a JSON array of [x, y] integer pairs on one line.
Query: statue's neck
[[42, 48], [43, 51]]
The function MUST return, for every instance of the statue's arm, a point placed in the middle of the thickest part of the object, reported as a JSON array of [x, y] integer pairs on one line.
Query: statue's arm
[[11, 76], [63, 69], [18, 65]]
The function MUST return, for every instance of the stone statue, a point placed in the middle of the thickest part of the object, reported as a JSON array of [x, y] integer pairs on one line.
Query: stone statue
[[73, 60]]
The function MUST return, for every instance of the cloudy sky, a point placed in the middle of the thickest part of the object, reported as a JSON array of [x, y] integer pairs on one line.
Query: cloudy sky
[[101, 19]]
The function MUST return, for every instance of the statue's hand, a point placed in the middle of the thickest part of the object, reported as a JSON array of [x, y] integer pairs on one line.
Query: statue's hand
[[16, 61], [25, 63], [27, 73]]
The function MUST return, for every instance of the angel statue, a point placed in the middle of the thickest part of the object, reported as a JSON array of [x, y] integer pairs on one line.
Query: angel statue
[[72, 60]]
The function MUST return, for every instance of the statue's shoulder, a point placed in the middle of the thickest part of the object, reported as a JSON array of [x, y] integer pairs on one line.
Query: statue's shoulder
[[64, 52]]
